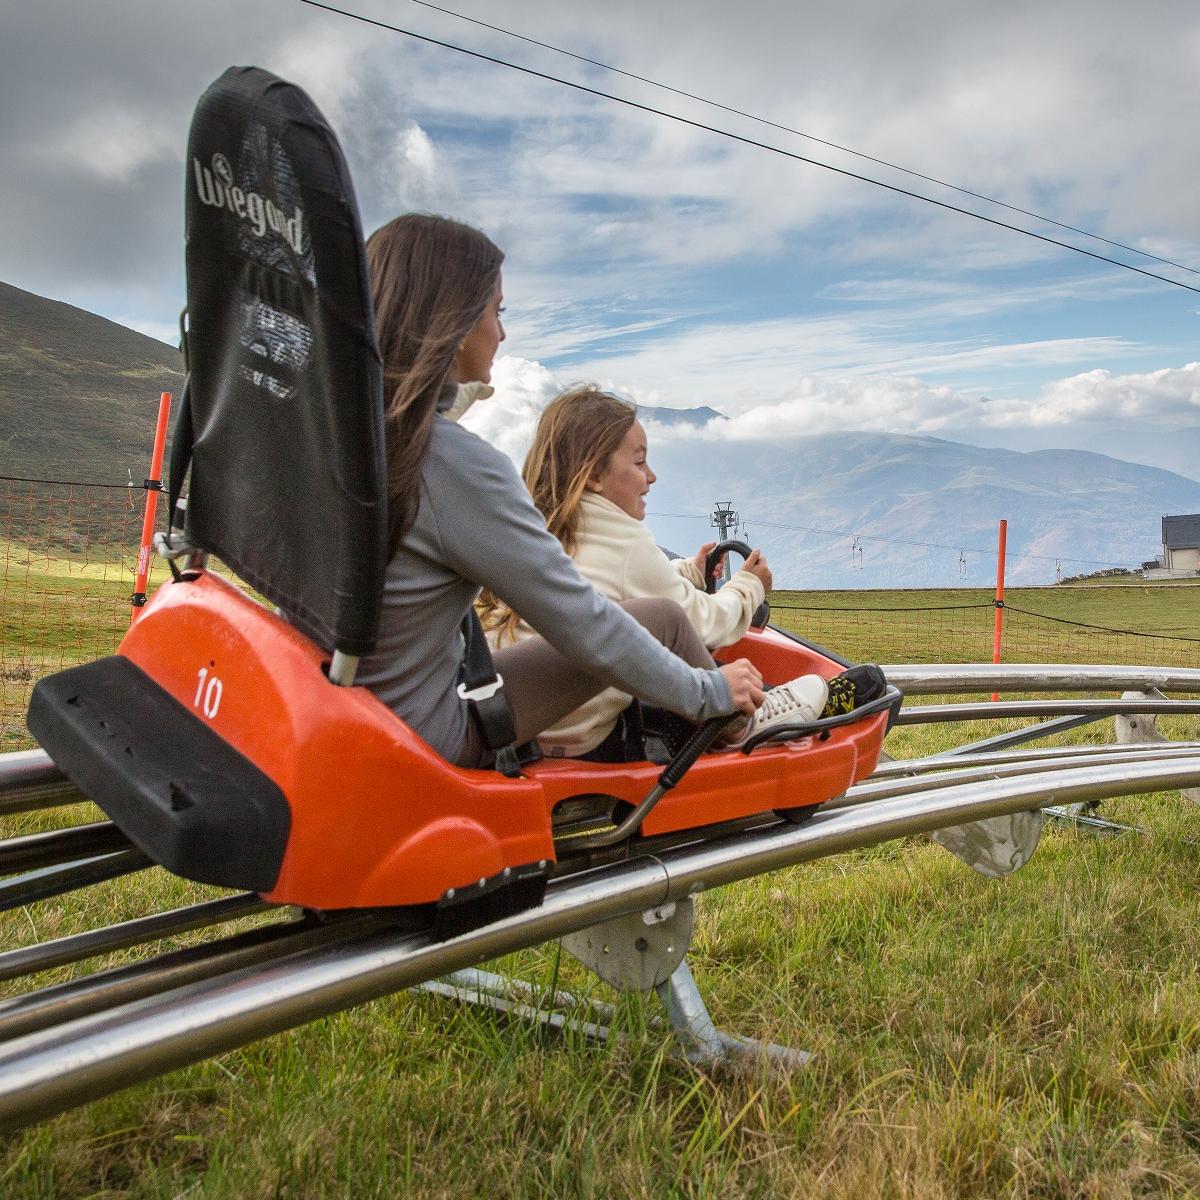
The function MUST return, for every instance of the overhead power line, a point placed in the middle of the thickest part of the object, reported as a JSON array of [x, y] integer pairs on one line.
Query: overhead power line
[[743, 140], [895, 541], [812, 137]]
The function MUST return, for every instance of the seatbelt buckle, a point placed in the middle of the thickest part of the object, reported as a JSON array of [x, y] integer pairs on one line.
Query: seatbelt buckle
[[485, 691]]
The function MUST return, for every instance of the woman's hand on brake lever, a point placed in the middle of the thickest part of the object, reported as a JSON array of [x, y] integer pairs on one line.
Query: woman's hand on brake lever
[[746, 685]]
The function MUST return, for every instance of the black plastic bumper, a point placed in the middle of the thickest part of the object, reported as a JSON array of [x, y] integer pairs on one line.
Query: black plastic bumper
[[175, 788]]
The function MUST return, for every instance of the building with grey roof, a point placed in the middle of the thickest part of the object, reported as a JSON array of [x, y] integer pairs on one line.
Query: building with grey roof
[[1180, 548]]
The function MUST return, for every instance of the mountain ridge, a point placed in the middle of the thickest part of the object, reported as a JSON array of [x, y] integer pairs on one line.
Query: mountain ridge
[[78, 399], [806, 497]]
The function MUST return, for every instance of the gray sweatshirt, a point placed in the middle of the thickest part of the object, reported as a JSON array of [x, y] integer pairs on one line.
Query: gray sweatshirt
[[476, 526]]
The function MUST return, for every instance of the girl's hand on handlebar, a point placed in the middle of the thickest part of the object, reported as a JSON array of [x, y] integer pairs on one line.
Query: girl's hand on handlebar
[[746, 684], [700, 558], [756, 564]]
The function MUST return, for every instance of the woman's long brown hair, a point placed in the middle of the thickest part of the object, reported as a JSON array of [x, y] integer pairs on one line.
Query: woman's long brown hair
[[431, 279], [576, 435]]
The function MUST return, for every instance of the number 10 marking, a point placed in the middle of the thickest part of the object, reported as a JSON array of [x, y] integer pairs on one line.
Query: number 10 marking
[[208, 699]]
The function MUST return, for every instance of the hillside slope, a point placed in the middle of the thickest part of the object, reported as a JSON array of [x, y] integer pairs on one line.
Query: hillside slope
[[78, 393]]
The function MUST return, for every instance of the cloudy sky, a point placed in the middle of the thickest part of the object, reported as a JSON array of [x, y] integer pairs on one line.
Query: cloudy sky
[[682, 267]]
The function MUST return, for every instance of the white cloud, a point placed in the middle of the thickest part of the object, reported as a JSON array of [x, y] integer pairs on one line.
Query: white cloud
[[324, 59], [827, 405], [1157, 397], [736, 366], [899, 404], [110, 142], [881, 403], [417, 169], [507, 419]]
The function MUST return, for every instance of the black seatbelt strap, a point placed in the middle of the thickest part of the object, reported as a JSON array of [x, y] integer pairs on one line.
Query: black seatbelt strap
[[181, 443], [483, 689], [181, 455]]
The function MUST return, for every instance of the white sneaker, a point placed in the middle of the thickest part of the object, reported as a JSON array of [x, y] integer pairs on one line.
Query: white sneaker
[[796, 702]]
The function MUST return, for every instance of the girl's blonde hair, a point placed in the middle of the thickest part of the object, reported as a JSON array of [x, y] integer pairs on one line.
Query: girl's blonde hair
[[576, 435]]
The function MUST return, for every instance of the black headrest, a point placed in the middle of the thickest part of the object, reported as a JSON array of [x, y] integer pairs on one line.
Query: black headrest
[[284, 410]]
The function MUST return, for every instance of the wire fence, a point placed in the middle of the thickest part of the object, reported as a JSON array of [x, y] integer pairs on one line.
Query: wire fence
[[964, 633], [69, 555]]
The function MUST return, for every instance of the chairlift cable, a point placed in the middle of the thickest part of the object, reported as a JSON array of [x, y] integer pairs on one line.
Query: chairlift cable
[[738, 112], [743, 140]]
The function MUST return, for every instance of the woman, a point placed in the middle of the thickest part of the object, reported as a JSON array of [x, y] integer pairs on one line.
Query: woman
[[588, 473], [459, 519]]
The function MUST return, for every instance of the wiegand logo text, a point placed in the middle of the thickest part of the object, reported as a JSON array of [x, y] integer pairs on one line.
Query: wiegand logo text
[[215, 187]]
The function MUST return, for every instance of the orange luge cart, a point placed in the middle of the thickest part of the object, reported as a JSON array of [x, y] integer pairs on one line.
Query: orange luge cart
[[234, 749]]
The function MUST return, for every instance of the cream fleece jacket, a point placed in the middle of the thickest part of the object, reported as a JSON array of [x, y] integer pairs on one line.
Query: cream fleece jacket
[[618, 556]]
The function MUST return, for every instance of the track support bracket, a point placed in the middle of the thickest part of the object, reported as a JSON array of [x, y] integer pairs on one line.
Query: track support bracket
[[1141, 728], [639, 952], [1132, 729]]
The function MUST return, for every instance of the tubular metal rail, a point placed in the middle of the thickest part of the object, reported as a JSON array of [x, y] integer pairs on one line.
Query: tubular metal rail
[[66, 1043]]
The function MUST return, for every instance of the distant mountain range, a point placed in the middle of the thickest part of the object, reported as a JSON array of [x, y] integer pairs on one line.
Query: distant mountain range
[[1063, 507], [1174, 449], [695, 417], [78, 397]]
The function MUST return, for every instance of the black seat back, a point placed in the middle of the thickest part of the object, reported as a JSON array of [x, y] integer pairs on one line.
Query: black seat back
[[282, 422]]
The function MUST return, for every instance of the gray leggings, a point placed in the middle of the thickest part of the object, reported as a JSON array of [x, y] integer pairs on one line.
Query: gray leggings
[[543, 685]]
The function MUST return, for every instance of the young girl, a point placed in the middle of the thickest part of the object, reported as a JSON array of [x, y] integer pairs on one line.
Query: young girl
[[588, 473], [460, 519]]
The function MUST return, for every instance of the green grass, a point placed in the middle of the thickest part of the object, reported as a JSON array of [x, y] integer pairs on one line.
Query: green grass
[[55, 612], [1037, 1036]]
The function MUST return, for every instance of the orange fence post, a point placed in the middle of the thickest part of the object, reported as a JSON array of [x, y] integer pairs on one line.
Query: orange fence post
[[998, 635], [153, 486]]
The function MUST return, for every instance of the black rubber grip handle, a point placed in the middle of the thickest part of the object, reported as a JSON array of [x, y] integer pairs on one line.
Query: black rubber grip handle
[[691, 750], [714, 556]]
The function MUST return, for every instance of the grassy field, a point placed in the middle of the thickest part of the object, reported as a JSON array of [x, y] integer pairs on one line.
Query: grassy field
[[1129, 623], [1172, 608], [1037, 1036], [57, 611]]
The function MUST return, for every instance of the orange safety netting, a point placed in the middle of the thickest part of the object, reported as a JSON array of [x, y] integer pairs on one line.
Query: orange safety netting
[[68, 553], [963, 633], [956, 633], [68, 557]]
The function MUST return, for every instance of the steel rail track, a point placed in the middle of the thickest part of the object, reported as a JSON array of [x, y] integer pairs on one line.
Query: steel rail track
[[33, 851], [109, 989], [29, 780], [944, 760], [73, 948], [55, 1068], [953, 772], [923, 679], [988, 710], [45, 882]]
